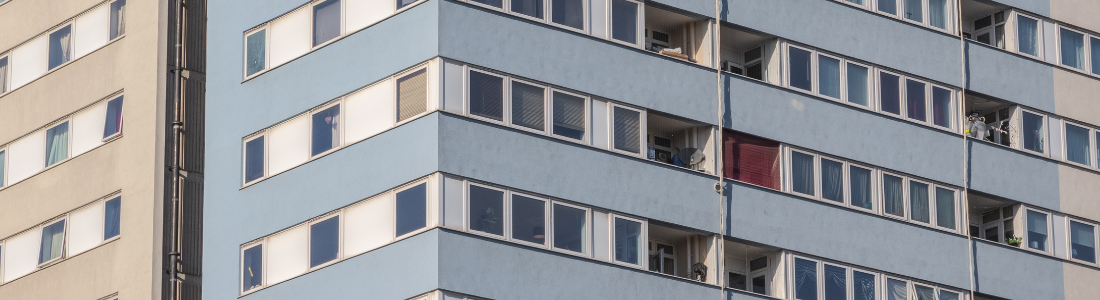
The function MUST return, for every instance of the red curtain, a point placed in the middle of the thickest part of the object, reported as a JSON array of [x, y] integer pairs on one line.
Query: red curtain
[[751, 159]]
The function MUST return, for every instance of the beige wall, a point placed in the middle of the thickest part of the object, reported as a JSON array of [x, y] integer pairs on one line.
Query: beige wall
[[1076, 95], [1081, 282], [1078, 192], [129, 265], [1080, 13]]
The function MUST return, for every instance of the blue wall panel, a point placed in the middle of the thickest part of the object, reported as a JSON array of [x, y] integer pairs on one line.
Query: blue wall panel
[[838, 129], [1010, 77], [1016, 274], [821, 229], [1008, 173]]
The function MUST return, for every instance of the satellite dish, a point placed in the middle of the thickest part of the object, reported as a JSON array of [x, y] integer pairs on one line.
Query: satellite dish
[[691, 156]]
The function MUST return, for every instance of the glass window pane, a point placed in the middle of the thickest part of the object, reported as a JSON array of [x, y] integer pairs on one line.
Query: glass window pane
[[528, 219], [893, 195], [486, 210], [486, 96], [254, 159], [832, 180], [915, 100], [404, 3], [256, 57], [531, 8], [836, 283], [253, 271], [118, 18], [888, 6], [412, 97], [411, 209], [2, 160], [859, 2], [53, 241], [1036, 230], [802, 173], [737, 281], [627, 241], [937, 13], [828, 76], [859, 179], [857, 85], [57, 143], [890, 93], [758, 264], [493, 3], [945, 208], [568, 12], [326, 130], [569, 228], [1027, 30], [627, 128], [924, 292], [760, 284], [896, 289], [528, 105], [1094, 45], [1073, 49], [112, 217], [113, 123], [805, 279], [918, 202], [624, 21], [914, 11], [1082, 239], [941, 107], [863, 286], [324, 241], [326, 21], [945, 295], [800, 69], [3, 74], [1077, 144], [61, 46], [569, 116], [1033, 132]]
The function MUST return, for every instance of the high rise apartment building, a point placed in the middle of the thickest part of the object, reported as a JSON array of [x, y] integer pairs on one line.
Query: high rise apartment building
[[669, 149], [89, 149]]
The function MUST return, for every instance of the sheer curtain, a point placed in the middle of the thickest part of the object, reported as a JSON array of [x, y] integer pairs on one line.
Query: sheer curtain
[[918, 201], [828, 70], [1028, 39], [896, 290], [860, 180], [805, 279], [892, 190], [53, 239], [802, 173], [832, 180], [1077, 144], [57, 144], [112, 217], [925, 293], [118, 18], [863, 286], [1073, 49], [937, 13], [1037, 230], [3, 75], [945, 208]]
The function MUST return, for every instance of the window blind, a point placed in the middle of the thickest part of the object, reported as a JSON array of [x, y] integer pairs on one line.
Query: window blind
[[486, 96], [627, 127], [412, 97], [568, 115], [528, 105], [751, 159]]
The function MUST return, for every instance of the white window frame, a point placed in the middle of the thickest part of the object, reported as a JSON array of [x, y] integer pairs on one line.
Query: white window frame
[[429, 204], [64, 241], [949, 18], [587, 138], [866, 4], [263, 266], [821, 278], [7, 75], [312, 30], [120, 36], [793, 271], [872, 96], [886, 288], [643, 240], [931, 201], [931, 110], [924, 14], [787, 71], [549, 11], [934, 199], [339, 136], [642, 130], [3, 178], [1069, 240], [877, 98], [1049, 243], [905, 100], [819, 178], [587, 248], [68, 122], [789, 180], [1091, 141], [876, 185], [1045, 131], [504, 214], [339, 239], [1084, 48], [639, 24], [940, 291], [914, 283], [505, 97], [1092, 61], [842, 86], [879, 286], [71, 23], [504, 7], [507, 8], [545, 220], [244, 161], [1038, 34], [904, 195], [121, 113], [266, 27], [545, 106], [397, 92]]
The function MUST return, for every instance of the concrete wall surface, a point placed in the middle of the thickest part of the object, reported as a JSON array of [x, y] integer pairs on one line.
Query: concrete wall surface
[[1009, 76], [1002, 271], [1012, 174]]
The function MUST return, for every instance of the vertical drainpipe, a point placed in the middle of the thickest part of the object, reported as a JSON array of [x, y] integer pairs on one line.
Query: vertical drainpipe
[[177, 131], [721, 247]]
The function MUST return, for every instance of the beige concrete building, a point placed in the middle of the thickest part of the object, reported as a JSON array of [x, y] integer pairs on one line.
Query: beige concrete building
[[88, 98]]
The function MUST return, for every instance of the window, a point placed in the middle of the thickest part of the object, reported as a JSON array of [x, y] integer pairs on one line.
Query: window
[[915, 100], [1094, 46], [112, 218], [568, 12], [628, 241], [1033, 131], [324, 241], [945, 208], [1077, 144], [256, 52], [737, 282], [624, 21], [3, 75], [805, 279], [412, 95], [1027, 35], [802, 173], [326, 130], [856, 2], [61, 46], [836, 282], [828, 74], [890, 93], [941, 107], [569, 115], [403, 3], [1037, 230], [751, 159], [57, 143], [530, 8], [889, 7], [486, 96], [800, 69], [493, 3], [924, 292], [326, 21], [528, 106], [858, 89], [113, 123], [252, 268], [918, 202], [627, 133], [863, 285], [486, 210], [893, 195], [896, 289], [832, 180], [1073, 48], [118, 18], [938, 13], [528, 219], [411, 209], [914, 10], [570, 226], [945, 295], [53, 242], [1082, 239], [860, 183], [254, 159]]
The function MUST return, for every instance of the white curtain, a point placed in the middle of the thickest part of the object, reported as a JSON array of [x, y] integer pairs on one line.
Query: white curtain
[[945, 208], [918, 201], [53, 239], [66, 46], [896, 290], [802, 173], [860, 180], [3, 75], [937, 13], [1073, 49], [805, 279], [892, 188], [1028, 29], [57, 144], [832, 180]]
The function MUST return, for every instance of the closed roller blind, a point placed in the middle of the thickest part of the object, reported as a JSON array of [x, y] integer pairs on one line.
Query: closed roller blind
[[363, 13], [288, 145], [486, 96], [751, 159], [568, 115], [528, 106], [627, 130], [412, 97]]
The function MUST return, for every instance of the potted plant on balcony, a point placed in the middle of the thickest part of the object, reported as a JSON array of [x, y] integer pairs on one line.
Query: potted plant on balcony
[[1015, 241]]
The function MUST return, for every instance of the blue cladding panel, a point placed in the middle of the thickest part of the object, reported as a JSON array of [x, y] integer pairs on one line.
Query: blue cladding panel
[[1005, 272], [1010, 77], [1014, 175]]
